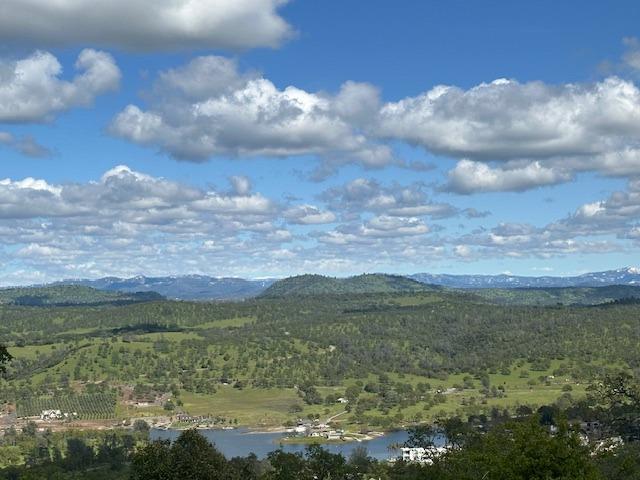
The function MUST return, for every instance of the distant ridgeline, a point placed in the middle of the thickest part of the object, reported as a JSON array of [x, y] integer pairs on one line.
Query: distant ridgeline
[[308, 285], [68, 295], [560, 296], [621, 276], [181, 287], [588, 289]]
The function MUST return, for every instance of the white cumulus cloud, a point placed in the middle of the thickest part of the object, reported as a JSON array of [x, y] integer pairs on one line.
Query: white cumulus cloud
[[32, 90], [207, 108], [470, 177]]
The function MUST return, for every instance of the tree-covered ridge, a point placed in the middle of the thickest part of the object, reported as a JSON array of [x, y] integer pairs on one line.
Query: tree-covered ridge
[[559, 295], [64, 295], [308, 285], [183, 287], [313, 285], [324, 339]]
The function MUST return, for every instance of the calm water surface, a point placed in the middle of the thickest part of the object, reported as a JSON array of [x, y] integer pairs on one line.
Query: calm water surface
[[242, 442]]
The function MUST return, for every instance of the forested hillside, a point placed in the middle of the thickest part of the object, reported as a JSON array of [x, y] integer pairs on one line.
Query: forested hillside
[[307, 285], [65, 295], [395, 356], [183, 287], [558, 296]]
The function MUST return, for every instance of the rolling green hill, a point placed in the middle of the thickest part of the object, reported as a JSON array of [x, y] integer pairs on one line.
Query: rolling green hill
[[309, 285], [67, 295], [266, 362]]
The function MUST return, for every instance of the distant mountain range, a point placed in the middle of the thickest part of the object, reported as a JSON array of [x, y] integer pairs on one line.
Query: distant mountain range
[[203, 287], [186, 287], [622, 276], [116, 291]]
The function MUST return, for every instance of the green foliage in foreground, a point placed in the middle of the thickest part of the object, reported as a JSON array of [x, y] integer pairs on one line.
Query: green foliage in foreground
[[514, 451], [91, 455], [522, 449], [519, 451]]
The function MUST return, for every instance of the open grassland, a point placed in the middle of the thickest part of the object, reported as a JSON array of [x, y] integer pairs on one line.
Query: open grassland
[[251, 407], [32, 351]]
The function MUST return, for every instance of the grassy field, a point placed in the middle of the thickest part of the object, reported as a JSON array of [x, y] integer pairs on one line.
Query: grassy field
[[271, 407], [251, 407], [32, 351]]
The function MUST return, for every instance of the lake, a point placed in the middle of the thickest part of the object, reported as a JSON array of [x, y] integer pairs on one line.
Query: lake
[[241, 442]]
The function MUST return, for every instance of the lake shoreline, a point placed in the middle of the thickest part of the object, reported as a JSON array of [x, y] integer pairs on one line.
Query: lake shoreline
[[243, 441], [289, 440]]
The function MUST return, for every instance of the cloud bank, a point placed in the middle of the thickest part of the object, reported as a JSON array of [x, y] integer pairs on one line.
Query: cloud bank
[[147, 25], [208, 108], [128, 222], [505, 135]]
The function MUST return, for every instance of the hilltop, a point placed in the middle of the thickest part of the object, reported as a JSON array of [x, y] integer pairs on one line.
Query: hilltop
[[308, 285]]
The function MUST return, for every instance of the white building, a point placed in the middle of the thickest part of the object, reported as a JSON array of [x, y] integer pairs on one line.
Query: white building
[[51, 415], [421, 455]]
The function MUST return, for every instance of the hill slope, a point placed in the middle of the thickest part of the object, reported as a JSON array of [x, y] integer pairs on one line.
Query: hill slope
[[555, 296], [64, 295], [304, 285], [185, 287]]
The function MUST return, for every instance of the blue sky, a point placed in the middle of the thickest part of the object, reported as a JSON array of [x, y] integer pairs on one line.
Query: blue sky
[[267, 138]]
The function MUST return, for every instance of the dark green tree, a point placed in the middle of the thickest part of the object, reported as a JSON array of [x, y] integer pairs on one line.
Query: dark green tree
[[286, 466], [190, 457], [5, 357], [421, 436], [618, 397], [325, 465], [519, 451]]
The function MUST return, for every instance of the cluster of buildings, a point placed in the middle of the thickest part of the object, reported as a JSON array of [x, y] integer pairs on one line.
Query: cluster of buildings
[[184, 418], [317, 430], [50, 415], [201, 420]]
